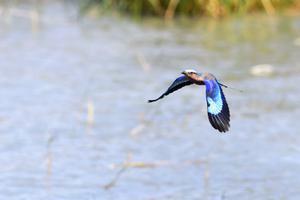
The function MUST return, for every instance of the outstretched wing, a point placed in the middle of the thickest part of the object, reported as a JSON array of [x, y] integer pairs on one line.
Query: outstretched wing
[[217, 107], [176, 85]]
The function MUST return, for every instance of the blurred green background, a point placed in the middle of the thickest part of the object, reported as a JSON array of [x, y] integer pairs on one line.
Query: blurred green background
[[193, 8], [75, 77]]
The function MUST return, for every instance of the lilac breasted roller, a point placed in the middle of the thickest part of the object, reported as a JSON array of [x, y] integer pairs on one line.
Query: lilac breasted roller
[[217, 107]]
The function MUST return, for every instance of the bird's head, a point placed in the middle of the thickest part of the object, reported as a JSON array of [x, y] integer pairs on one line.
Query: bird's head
[[189, 73], [195, 77]]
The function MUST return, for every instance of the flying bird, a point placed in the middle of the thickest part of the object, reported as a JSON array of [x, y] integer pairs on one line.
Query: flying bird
[[217, 107]]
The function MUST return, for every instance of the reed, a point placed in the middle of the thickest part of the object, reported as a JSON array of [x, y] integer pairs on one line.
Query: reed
[[171, 8]]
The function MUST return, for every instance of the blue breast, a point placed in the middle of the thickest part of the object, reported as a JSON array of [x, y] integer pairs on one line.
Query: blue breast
[[213, 97]]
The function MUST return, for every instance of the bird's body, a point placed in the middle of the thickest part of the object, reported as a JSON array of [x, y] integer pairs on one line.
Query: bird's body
[[217, 107]]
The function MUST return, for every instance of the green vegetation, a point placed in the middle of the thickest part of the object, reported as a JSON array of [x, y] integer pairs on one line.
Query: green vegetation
[[170, 8]]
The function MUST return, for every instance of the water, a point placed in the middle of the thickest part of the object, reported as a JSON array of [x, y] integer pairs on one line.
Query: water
[[73, 112]]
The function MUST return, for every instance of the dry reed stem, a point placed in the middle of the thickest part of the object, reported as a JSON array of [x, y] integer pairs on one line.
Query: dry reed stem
[[169, 14], [90, 113], [268, 7], [137, 130], [163, 163], [143, 62]]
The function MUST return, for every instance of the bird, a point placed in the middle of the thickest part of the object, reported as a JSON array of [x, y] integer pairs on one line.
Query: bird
[[217, 107]]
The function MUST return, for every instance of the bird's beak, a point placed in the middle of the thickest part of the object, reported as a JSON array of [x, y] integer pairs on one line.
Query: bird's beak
[[183, 73]]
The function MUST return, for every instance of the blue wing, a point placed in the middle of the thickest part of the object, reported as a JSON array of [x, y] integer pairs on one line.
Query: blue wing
[[217, 107], [176, 85]]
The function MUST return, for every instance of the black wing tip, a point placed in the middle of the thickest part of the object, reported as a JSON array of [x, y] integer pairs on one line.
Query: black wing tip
[[219, 122], [153, 100]]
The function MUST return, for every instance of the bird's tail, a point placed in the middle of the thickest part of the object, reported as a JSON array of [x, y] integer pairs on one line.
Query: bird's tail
[[225, 86]]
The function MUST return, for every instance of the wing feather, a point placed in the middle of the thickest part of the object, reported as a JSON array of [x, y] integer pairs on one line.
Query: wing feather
[[217, 107], [176, 85]]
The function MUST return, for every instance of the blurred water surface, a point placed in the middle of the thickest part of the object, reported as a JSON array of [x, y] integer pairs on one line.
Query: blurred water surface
[[73, 109]]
